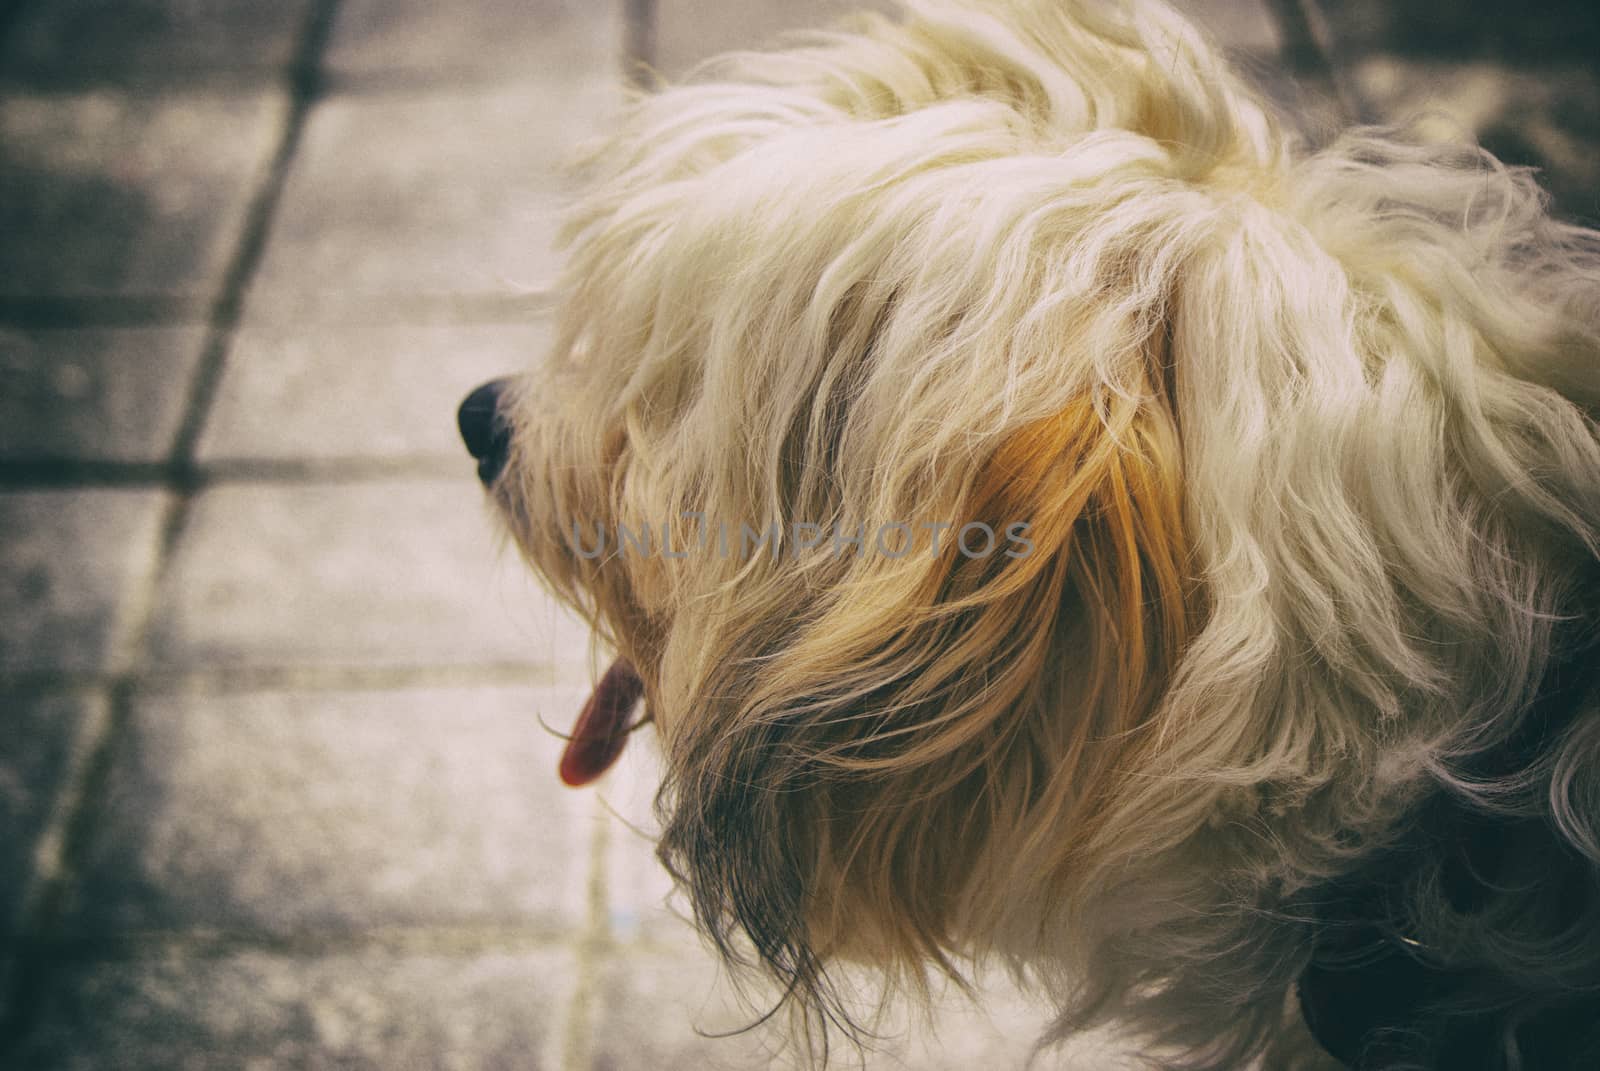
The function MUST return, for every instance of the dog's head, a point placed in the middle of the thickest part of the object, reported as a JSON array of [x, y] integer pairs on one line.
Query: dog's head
[[1045, 510]]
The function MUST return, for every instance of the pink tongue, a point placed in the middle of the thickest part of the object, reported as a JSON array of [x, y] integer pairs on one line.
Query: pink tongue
[[602, 728]]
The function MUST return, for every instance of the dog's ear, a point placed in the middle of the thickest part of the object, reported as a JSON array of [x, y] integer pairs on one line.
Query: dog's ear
[[892, 778]]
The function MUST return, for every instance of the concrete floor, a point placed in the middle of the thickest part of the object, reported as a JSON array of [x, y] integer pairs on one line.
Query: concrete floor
[[274, 790]]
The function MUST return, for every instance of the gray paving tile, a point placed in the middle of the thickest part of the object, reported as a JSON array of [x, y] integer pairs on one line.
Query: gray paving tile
[[358, 392], [104, 193], [72, 565], [38, 738], [78, 36], [1545, 116], [552, 41], [1238, 25], [451, 192], [104, 394], [362, 574], [678, 1010], [658, 1011], [642, 904], [998, 1030], [689, 31], [1539, 31], [309, 812], [357, 1010]]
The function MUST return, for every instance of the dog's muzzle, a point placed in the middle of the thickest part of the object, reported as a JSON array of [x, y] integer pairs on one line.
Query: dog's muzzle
[[484, 430], [603, 727]]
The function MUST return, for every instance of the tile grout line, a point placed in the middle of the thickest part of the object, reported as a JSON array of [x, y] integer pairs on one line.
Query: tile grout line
[[639, 41], [74, 474], [89, 748], [140, 82], [593, 946], [305, 86], [425, 939], [45, 858], [226, 679], [463, 309], [76, 807]]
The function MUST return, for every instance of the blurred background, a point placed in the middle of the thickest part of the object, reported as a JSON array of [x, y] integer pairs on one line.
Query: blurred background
[[275, 789]]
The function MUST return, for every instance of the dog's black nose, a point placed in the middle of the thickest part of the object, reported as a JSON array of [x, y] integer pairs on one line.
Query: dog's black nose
[[484, 430]]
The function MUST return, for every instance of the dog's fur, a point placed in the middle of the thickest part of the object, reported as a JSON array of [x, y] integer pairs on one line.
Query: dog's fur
[[1306, 441]]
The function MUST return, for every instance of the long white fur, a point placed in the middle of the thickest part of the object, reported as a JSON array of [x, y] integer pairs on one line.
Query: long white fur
[[829, 283]]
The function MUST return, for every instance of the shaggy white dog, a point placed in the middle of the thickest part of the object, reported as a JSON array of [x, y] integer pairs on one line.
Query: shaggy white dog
[[1053, 516]]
